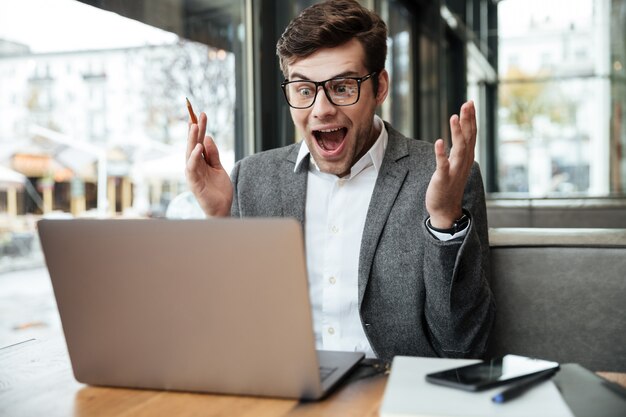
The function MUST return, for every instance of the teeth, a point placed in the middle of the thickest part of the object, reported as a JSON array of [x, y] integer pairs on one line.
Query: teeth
[[320, 140]]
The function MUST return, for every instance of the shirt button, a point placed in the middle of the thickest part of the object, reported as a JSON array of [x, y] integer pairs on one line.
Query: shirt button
[[334, 229], [332, 280], [331, 330], [341, 183]]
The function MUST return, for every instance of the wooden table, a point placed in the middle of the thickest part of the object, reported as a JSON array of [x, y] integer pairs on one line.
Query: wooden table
[[36, 380]]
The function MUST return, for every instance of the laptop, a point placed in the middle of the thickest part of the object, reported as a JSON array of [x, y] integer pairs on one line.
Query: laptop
[[218, 306]]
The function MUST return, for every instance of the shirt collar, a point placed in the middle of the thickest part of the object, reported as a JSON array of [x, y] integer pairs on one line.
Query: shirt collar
[[374, 156]]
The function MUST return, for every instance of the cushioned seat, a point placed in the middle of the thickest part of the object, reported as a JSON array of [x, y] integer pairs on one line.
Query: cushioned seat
[[560, 295]]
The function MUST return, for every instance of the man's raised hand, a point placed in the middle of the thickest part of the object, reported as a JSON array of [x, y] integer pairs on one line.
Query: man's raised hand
[[444, 197], [206, 177]]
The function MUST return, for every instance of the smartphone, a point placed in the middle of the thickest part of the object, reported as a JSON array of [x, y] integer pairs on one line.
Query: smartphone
[[491, 373]]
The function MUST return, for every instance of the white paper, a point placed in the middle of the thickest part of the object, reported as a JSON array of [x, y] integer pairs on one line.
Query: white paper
[[409, 394]]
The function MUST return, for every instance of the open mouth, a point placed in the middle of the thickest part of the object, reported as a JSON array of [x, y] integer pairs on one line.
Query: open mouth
[[330, 140]]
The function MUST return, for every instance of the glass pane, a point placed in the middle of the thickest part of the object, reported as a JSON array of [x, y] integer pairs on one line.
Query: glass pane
[[92, 111], [93, 120], [555, 97]]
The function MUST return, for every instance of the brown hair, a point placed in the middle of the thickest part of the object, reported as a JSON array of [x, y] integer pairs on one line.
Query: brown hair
[[330, 24]]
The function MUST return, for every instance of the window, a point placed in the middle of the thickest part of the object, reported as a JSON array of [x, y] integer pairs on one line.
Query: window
[[101, 97], [562, 106]]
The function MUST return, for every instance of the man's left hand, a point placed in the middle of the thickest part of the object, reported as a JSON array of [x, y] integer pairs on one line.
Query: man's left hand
[[444, 197]]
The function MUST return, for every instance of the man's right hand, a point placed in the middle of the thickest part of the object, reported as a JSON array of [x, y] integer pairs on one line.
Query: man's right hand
[[206, 177]]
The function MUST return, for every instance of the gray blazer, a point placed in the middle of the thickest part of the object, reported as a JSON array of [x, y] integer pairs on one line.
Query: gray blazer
[[418, 296]]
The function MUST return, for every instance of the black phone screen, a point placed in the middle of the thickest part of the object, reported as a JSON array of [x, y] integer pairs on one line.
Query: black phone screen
[[491, 373]]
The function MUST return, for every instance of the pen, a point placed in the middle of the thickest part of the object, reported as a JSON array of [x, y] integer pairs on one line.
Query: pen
[[194, 119], [523, 386]]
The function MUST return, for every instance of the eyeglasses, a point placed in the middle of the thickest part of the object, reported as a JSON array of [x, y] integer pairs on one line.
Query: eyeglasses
[[340, 91]]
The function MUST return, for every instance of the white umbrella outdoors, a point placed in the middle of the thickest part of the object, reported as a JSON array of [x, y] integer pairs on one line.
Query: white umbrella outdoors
[[10, 178]]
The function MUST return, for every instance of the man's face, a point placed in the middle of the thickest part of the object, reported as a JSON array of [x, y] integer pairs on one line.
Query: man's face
[[338, 136]]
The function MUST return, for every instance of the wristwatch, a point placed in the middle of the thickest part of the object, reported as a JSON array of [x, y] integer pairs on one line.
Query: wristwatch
[[458, 225]]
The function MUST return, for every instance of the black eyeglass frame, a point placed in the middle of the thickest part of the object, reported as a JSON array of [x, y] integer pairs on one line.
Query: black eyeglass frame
[[318, 84]]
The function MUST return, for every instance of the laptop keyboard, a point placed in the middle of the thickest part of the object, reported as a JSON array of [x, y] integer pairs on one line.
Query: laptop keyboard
[[325, 372]]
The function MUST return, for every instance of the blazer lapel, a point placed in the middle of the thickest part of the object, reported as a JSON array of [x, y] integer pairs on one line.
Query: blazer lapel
[[390, 179], [293, 186]]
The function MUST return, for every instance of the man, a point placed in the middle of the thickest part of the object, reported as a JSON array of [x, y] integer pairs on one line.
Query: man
[[395, 231]]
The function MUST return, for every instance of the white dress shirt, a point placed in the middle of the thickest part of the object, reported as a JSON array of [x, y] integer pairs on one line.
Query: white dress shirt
[[335, 214]]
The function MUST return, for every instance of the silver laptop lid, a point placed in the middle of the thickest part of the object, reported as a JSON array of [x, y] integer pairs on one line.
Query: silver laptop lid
[[199, 305]]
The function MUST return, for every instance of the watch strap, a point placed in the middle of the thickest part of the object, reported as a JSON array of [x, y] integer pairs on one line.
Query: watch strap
[[457, 226]]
